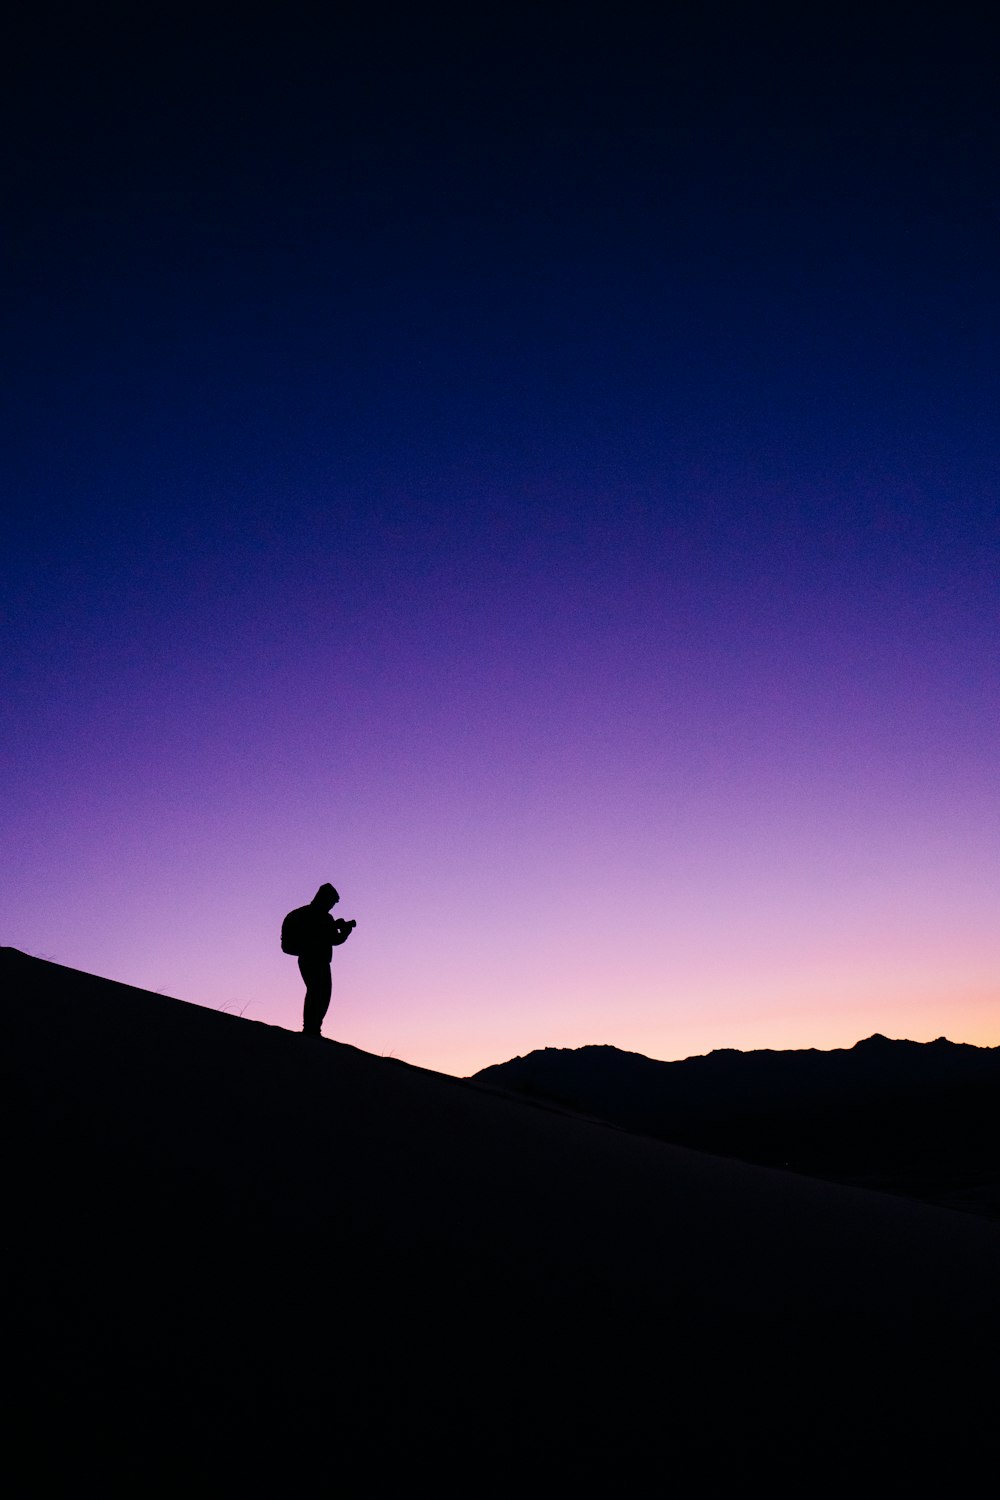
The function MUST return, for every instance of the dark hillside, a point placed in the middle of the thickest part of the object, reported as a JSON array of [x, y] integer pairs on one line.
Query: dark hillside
[[244, 1261]]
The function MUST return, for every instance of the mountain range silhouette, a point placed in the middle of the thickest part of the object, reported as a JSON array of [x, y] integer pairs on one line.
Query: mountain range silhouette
[[908, 1117], [241, 1259]]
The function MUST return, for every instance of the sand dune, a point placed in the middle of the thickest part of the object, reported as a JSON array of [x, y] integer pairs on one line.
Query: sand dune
[[236, 1249]]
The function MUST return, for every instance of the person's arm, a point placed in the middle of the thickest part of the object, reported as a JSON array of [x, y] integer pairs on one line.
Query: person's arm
[[342, 930]]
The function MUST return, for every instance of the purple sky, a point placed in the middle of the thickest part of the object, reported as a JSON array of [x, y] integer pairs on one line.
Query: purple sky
[[545, 484]]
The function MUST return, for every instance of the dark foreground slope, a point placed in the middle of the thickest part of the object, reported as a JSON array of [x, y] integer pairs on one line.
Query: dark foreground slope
[[245, 1259], [906, 1117]]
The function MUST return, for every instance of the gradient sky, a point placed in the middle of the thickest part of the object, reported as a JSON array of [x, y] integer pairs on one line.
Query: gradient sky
[[535, 469]]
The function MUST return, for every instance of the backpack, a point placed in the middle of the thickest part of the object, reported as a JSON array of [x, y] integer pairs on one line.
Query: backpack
[[295, 930]]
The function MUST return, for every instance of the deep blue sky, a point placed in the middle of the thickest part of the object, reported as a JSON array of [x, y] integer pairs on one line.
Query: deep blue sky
[[427, 426]]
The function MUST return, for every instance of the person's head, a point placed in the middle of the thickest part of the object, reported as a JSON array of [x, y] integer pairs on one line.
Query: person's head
[[326, 897]]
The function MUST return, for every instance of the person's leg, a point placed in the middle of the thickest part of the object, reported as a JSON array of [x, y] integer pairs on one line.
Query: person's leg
[[319, 987]]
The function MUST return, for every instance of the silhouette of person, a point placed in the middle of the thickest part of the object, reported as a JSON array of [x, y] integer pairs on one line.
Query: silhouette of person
[[321, 933]]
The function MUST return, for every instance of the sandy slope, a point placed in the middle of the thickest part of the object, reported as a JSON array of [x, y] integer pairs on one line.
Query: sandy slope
[[237, 1248]]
